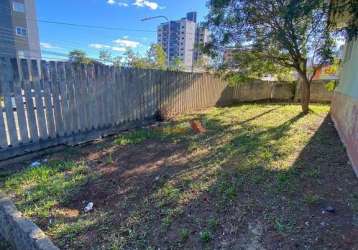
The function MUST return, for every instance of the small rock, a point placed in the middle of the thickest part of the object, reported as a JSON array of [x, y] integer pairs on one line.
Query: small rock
[[330, 209], [89, 207]]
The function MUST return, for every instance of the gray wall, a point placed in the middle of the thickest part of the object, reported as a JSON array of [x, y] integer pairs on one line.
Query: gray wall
[[7, 39]]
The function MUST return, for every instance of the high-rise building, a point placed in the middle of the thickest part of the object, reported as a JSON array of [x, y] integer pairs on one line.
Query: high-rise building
[[181, 39], [19, 36]]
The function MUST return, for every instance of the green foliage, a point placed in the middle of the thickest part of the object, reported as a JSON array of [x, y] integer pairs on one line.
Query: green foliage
[[105, 55], [205, 236], [134, 137], [331, 86], [155, 58], [177, 65], [253, 67], [349, 10], [273, 35], [79, 56], [311, 199], [184, 234]]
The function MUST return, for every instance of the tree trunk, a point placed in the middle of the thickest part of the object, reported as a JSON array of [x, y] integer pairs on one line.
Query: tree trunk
[[305, 95]]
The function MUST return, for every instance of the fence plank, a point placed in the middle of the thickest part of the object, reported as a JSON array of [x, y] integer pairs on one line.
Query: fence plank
[[92, 96], [86, 97], [6, 79], [41, 121], [45, 76], [55, 89], [3, 137], [30, 106], [125, 95], [69, 96], [19, 101], [65, 109]]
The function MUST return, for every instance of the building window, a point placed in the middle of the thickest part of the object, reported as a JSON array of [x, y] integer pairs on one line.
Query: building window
[[18, 7], [20, 31]]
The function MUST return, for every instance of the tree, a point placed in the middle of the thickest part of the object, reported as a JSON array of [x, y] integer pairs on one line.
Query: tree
[[79, 56], [348, 9], [157, 57], [135, 60], [105, 56], [177, 65], [286, 33], [117, 61], [251, 67]]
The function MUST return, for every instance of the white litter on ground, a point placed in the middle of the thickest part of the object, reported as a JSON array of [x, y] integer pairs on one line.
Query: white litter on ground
[[89, 207]]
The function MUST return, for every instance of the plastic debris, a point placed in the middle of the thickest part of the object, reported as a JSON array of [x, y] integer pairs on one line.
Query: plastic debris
[[89, 207], [157, 178], [35, 164]]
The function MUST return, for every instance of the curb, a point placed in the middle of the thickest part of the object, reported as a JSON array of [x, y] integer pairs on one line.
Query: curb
[[21, 233]]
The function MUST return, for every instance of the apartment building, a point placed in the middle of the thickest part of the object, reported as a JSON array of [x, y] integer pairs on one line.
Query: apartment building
[[180, 39], [19, 36]]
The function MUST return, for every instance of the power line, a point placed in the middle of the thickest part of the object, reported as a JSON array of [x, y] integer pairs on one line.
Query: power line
[[102, 27]]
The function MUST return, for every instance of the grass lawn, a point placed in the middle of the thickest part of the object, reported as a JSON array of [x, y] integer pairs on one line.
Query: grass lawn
[[262, 176]]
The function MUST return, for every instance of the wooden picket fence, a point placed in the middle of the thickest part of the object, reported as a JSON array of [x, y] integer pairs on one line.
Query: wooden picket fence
[[45, 104]]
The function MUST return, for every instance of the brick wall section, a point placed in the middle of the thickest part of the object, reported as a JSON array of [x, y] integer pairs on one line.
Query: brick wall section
[[20, 232]]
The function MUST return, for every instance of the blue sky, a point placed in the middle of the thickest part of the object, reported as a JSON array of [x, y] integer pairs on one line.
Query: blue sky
[[124, 14]]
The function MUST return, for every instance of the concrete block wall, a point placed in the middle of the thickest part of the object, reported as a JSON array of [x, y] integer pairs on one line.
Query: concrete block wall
[[19, 231], [278, 91], [319, 92]]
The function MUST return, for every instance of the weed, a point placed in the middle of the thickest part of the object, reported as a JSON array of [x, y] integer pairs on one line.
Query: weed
[[311, 199], [205, 236], [166, 221], [313, 173], [227, 189], [282, 227], [213, 224], [109, 159], [184, 234]]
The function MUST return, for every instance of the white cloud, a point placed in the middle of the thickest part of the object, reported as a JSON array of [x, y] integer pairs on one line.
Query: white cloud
[[145, 3], [48, 46], [99, 46], [119, 3], [127, 43], [119, 49], [139, 3], [104, 46], [123, 4]]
